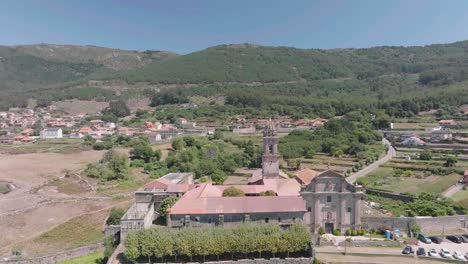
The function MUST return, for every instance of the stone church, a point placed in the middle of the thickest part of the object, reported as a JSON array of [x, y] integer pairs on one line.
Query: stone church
[[317, 199]]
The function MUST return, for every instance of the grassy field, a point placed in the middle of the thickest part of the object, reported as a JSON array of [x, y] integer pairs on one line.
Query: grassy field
[[52, 145], [79, 231], [383, 178], [93, 258], [461, 198], [413, 126]]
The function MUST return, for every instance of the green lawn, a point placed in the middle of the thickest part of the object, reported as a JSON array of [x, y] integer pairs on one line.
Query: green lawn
[[383, 179], [77, 232], [93, 258], [460, 195], [52, 145]]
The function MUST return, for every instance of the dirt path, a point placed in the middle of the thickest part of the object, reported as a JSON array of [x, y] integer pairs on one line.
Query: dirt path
[[452, 190], [390, 154]]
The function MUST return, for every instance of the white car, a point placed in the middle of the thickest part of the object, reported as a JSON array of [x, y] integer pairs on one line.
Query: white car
[[458, 255], [445, 253], [433, 253]]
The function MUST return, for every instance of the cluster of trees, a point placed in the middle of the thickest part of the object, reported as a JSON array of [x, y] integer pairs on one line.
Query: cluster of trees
[[426, 204], [204, 157], [336, 137], [247, 239], [113, 166]]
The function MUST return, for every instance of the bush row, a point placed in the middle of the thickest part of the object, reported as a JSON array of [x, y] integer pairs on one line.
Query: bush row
[[245, 239]]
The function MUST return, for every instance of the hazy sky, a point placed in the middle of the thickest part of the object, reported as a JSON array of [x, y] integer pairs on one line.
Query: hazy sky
[[185, 26]]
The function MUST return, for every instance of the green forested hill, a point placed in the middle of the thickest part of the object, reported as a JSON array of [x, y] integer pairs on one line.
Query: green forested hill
[[250, 63], [43, 65], [400, 81]]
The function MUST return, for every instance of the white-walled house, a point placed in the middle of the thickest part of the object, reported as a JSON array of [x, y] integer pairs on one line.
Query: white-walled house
[[51, 132]]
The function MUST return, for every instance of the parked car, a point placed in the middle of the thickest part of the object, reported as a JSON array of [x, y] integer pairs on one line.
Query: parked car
[[424, 239], [433, 253], [465, 235], [436, 240], [454, 239], [445, 253], [463, 239], [421, 252], [458, 255], [407, 250]]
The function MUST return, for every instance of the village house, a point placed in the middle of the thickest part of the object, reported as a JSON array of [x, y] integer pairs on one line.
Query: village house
[[183, 123], [154, 137], [27, 132], [51, 133], [414, 142], [244, 130], [441, 135], [447, 123]]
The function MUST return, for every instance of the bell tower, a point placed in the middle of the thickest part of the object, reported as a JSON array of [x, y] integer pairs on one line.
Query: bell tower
[[270, 158]]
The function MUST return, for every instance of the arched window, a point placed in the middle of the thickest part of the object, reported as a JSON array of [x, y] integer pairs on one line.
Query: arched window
[[329, 216]]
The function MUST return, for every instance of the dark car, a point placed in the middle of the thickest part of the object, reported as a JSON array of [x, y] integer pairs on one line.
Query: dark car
[[454, 239], [407, 250], [421, 252], [463, 239], [424, 239], [436, 240]]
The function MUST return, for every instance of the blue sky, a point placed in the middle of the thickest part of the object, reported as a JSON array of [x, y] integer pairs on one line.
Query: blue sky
[[186, 26]]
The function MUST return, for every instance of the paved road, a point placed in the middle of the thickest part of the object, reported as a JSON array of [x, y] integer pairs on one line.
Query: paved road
[[390, 154], [452, 190]]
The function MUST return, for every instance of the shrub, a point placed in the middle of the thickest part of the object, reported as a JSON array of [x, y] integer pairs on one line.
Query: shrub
[[115, 215], [415, 229], [321, 230], [233, 192], [407, 173], [336, 232], [166, 204], [425, 155], [137, 163]]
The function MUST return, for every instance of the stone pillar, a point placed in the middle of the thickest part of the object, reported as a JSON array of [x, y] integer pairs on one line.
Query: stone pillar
[[357, 210], [316, 213], [343, 211], [275, 148]]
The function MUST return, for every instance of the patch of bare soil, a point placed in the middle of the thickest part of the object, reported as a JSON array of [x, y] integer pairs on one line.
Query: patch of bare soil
[[40, 201], [76, 106], [138, 103]]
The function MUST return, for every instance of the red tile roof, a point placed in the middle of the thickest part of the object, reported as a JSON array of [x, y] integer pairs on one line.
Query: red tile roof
[[306, 175], [208, 199]]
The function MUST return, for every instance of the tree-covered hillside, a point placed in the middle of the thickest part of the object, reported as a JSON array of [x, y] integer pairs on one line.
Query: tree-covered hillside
[[435, 64], [44, 66]]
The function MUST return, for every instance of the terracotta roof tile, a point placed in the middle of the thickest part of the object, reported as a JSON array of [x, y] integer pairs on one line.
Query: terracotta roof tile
[[306, 175]]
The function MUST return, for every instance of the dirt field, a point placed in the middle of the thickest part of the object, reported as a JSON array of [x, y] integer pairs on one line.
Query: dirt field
[[76, 106], [36, 204]]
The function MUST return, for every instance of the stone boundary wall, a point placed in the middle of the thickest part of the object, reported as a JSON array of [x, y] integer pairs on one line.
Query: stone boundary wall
[[432, 224], [386, 194], [370, 243], [73, 253], [257, 261]]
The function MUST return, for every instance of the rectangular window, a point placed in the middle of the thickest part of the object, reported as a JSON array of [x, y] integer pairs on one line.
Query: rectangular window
[[349, 209], [328, 199]]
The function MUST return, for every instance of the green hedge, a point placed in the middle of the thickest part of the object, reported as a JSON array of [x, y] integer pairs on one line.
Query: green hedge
[[245, 239]]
